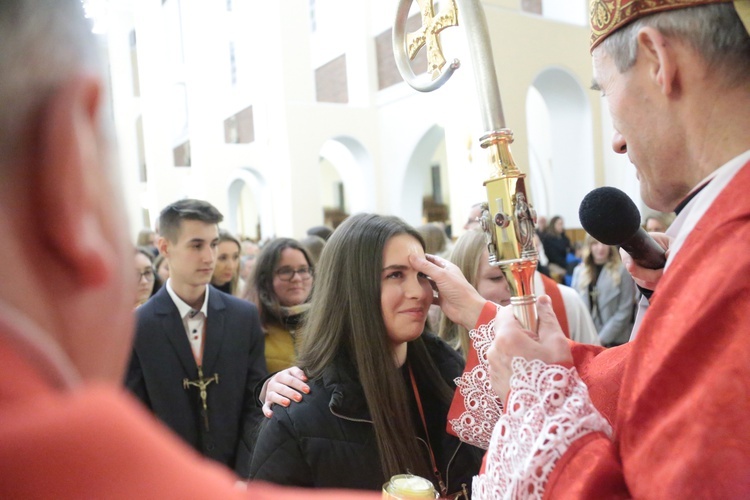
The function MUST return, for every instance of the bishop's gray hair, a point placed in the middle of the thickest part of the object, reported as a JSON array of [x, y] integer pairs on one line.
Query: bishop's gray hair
[[715, 31]]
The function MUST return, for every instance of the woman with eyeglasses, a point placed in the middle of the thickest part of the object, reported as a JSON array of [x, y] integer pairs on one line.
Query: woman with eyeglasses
[[280, 285], [148, 283], [379, 385]]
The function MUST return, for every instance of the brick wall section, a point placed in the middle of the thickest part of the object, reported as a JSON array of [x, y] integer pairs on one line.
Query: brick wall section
[[387, 71], [533, 6], [331, 83], [240, 128]]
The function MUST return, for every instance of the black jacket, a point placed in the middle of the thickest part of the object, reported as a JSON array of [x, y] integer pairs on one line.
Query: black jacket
[[234, 349], [557, 248], [328, 440]]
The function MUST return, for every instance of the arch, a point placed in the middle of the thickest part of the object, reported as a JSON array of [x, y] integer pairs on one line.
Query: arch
[[248, 177], [413, 187], [561, 150], [354, 165]]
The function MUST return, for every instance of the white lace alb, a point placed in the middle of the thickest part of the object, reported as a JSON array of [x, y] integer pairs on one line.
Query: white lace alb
[[483, 407], [548, 409]]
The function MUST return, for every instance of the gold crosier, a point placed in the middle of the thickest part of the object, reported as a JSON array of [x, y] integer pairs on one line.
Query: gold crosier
[[508, 219]]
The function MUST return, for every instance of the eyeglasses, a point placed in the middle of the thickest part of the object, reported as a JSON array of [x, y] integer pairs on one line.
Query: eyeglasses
[[148, 274], [287, 273]]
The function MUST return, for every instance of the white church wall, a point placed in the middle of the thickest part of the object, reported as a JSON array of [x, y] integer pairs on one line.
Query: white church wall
[[274, 75]]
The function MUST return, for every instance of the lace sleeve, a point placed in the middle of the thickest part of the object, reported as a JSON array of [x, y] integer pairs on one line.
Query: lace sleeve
[[482, 408], [548, 409]]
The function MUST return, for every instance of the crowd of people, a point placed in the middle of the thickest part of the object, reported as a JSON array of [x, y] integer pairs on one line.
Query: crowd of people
[[256, 332], [318, 370]]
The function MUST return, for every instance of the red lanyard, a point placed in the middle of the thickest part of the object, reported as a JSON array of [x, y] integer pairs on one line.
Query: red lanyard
[[443, 489]]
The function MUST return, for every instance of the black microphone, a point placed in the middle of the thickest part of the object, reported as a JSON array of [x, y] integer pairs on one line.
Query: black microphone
[[612, 218]]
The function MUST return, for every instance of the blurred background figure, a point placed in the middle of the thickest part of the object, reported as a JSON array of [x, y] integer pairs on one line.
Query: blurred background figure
[[655, 223], [148, 283], [324, 232], [435, 239], [608, 291], [280, 286], [147, 239], [250, 251], [226, 275], [541, 224], [314, 246], [472, 220], [557, 247], [247, 263], [543, 264], [249, 247], [161, 266]]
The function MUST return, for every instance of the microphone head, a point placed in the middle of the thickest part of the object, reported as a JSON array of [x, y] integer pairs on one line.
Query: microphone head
[[609, 215]]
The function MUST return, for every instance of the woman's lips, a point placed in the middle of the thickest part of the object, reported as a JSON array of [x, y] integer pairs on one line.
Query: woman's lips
[[416, 311]]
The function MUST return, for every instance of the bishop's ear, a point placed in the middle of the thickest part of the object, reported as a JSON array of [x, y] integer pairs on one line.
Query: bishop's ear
[[70, 180], [658, 52]]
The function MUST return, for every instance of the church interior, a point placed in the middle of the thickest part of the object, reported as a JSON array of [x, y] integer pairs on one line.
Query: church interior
[[287, 115]]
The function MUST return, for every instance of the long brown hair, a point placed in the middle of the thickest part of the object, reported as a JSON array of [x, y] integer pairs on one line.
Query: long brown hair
[[346, 319]]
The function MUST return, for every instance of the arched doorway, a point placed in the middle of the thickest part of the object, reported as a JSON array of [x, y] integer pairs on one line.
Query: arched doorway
[[561, 158], [425, 196], [250, 209], [346, 171]]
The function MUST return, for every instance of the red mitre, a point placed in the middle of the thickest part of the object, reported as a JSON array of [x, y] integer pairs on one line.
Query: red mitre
[[608, 16]]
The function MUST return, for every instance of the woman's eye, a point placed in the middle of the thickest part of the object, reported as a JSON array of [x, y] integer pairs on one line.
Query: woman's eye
[[422, 275], [395, 274]]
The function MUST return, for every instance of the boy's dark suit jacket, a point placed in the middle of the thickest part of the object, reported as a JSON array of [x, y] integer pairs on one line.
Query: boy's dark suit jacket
[[233, 348]]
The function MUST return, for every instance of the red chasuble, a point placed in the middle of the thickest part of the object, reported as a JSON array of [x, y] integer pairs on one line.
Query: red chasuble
[[678, 396]]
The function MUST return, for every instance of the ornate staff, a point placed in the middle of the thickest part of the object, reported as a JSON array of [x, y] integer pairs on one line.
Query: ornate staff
[[507, 219]]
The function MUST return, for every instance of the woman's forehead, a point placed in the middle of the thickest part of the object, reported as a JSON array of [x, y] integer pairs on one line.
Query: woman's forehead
[[401, 246]]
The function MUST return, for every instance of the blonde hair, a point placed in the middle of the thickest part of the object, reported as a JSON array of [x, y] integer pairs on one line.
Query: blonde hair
[[588, 271], [466, 254]]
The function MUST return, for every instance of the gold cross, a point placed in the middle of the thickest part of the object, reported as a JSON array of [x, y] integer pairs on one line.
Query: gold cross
[[427, 34], [202, 385]]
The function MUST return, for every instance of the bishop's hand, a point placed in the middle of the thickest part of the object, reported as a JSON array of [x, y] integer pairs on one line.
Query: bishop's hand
[[513, 340], [455, 296]]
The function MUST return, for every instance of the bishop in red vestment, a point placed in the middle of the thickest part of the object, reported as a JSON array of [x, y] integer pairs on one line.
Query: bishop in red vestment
[[664, 416]]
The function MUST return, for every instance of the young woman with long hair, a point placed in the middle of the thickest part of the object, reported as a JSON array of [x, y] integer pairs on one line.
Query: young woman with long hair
[[280, 285], [380, 386], [608, 291]]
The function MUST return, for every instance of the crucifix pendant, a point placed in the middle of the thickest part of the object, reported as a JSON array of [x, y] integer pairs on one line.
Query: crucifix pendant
[[202, 385]]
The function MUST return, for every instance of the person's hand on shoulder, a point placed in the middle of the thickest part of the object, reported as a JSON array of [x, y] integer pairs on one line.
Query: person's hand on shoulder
[[455, 296], [283, 387], [513, 340], [644, 277]]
